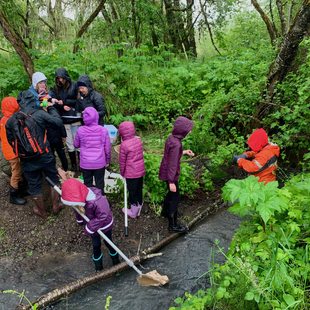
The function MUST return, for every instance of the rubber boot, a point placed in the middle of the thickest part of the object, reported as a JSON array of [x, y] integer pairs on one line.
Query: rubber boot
[[140, 208], [56, 202], [39, 208], [98, 262], [23, 188], [173, 224], [15, 198], [132, 212], [72, 156], [115, 258]]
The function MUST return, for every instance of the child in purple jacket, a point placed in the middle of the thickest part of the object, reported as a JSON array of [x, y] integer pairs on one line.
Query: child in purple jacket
[[96, 208], [131, 162], [95, 149], [169, 170]]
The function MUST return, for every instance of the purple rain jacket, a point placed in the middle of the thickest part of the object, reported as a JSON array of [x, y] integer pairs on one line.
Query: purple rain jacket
[[170, 165], [93, 141], [99, 213]]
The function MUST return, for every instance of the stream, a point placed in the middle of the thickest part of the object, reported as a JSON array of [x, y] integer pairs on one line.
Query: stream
[[184, 261]]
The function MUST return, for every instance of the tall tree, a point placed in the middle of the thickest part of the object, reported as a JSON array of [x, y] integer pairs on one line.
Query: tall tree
[[286, 55], [20, 46]]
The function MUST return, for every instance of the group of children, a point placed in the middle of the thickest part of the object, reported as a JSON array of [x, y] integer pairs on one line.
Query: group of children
[[93, 141]]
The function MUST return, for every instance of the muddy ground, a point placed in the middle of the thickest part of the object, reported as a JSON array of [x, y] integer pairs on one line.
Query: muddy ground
[[25, 237]]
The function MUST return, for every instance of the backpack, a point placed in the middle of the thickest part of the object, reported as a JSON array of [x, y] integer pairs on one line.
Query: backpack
[[28, 142]]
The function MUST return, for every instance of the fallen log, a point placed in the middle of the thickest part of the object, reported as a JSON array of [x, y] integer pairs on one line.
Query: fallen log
[[64, 291]]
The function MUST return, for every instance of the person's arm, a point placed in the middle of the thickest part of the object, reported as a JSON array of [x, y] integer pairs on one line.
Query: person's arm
[[52, 117], [122, 159], [254, 165], [107, 145], [172, 164], [76, 142], [99, 104]]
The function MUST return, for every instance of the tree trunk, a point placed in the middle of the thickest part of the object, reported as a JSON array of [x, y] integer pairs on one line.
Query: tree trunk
[[85, 26], [271, 30], [286, 56], [190, 28], [18, 44]]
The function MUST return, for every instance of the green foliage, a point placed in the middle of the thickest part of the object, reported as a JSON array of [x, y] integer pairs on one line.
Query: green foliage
[[291, 119], [21, 296], [267, 266], [155, 189]]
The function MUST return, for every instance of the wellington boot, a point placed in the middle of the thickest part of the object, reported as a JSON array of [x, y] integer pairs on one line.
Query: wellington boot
[[56, 202], [174, 226], [39, 208], [132, 212], [115, 258], [15, 197], [98, 262]]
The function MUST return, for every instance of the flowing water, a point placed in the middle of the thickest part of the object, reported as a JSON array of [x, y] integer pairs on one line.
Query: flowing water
[[184, 261]]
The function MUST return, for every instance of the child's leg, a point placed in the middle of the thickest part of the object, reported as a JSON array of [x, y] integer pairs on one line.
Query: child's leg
[[88, 177], [173, 199], [16, 178], [97, 254], [113, 254], [132, 186], [62, 155], [140, 191], [99, 179]]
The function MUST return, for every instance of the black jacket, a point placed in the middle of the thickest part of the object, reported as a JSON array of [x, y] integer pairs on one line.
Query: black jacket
[[27, 102], [68, 94], [93, 99]]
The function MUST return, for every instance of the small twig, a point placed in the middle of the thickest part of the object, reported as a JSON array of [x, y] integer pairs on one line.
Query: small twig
[[139, 245], [21, 297], [153, 255]]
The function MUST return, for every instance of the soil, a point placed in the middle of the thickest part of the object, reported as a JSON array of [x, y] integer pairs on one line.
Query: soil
[[25, 237]]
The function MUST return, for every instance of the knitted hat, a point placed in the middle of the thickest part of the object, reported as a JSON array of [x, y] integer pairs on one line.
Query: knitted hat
[[75, 193], [258, 139], [38, 77]]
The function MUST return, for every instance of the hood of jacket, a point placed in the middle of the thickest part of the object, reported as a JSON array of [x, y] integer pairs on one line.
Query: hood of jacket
[[84, 80], [90, 116], [182, 126], [9, 106], [127, 130], [38, 77], [258, 139], [28, 100], [75, 193], [63, 73]]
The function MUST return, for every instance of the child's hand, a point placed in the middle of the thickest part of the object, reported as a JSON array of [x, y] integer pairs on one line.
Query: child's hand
[[188, 152], [172, 187]]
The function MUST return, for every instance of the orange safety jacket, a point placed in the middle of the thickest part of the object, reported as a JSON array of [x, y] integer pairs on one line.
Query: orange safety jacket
[[263, 163], [9, 106]]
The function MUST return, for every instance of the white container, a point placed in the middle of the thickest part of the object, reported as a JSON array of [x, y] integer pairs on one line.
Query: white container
[[112, 132]]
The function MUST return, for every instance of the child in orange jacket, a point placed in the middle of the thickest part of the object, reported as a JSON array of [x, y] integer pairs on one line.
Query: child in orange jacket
[[9, 106], [261, 160]]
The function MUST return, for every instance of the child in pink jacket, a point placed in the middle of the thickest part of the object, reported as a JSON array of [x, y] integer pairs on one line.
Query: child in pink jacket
[[131, 162]]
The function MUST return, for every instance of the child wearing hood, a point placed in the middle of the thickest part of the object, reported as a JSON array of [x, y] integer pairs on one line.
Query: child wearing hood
[[131, 162], [261, 159], [95, 149], [169, 170], [96, 207], [9, 106]]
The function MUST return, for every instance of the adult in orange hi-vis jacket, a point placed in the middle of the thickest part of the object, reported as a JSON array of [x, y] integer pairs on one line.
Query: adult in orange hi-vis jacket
[[9, 106], [261, 160]]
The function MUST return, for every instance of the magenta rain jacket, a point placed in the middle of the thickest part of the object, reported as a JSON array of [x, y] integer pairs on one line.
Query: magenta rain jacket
[[170, 165], [93, 141], [131, 160]]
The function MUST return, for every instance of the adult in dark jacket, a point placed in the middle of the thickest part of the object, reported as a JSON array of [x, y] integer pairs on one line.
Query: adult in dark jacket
[[170, 168], [88, 97], [66, 92], [44, 163]]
